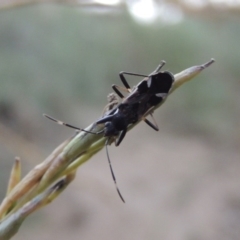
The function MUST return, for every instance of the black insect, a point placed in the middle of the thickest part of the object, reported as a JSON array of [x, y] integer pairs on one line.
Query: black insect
[[151, 91]]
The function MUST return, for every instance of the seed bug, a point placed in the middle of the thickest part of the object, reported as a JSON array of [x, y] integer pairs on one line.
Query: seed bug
[[151, 91]]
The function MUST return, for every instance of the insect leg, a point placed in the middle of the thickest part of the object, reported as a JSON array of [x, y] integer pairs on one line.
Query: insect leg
[[124, 81], [121, 136], [113, 176], [150, 124], [162, 63], [117, 88], [110, 106], [69, 125]]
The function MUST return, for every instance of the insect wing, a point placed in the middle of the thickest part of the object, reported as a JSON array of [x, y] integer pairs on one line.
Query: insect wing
[[152, 90], [160, 82], [159, 86]]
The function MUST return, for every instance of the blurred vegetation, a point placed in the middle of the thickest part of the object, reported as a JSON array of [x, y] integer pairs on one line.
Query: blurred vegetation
[[55, 57], [62, 60]]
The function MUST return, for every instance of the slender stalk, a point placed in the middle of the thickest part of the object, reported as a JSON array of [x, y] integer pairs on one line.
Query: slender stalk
[[48, 179]]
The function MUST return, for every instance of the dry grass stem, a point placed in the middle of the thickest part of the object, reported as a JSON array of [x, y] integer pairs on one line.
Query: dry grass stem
[[48, 179]]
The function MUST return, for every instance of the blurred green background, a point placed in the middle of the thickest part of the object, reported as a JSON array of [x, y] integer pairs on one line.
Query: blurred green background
[[179, 183]]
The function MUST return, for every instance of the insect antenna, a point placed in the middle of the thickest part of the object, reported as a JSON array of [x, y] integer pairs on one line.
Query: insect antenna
[[69, 125], [113, 176]]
